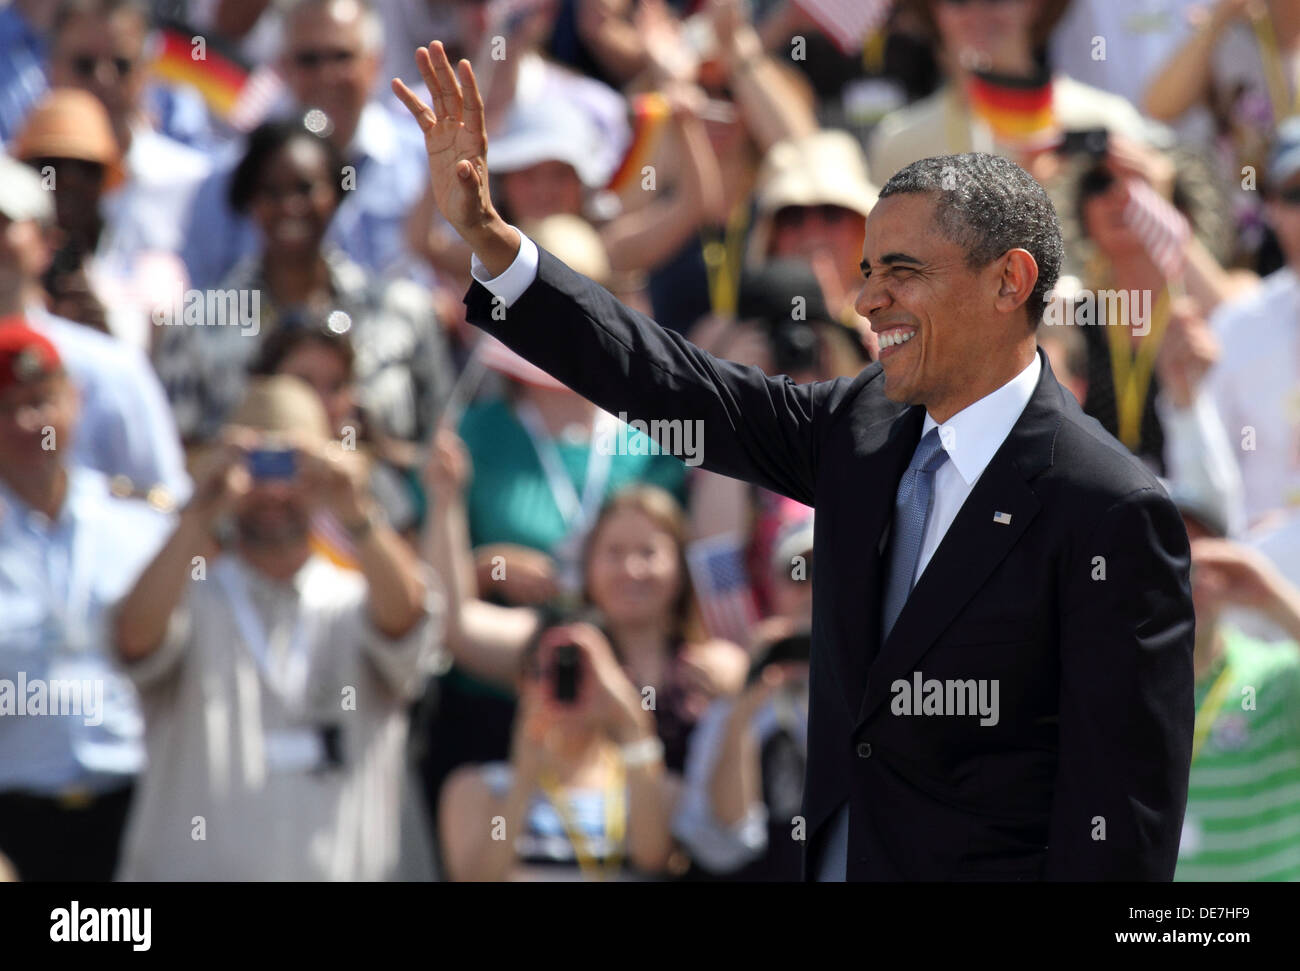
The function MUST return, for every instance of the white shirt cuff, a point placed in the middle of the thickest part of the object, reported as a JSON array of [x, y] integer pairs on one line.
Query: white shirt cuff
[[518, 277]]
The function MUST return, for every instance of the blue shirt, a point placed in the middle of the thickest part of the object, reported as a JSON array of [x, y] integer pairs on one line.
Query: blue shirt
[[59, 580], [391, 171], [125, 427], [22, 71]]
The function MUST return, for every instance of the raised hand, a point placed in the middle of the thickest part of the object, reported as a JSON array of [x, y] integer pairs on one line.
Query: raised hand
[[455, 139]]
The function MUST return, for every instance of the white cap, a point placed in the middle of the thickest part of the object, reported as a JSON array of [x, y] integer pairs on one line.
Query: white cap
[[549, 130]]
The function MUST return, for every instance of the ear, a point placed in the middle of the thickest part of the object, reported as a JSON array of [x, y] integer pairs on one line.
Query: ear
[[1018, 272]]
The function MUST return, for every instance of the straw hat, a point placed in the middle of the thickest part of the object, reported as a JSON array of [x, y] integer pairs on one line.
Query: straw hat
[[71, 123], [825, 168], [573, 241], [281, 405]]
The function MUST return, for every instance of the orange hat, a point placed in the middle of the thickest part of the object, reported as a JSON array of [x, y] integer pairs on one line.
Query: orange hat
[[25, 355], [71, 123]]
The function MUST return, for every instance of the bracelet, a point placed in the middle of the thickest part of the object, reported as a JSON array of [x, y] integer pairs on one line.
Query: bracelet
[[643, 752]]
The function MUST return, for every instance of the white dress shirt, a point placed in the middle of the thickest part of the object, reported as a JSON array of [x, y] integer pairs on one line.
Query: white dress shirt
[[970, 438]]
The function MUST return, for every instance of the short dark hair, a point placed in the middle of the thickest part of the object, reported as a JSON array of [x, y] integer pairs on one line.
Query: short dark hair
[[988, 205], [263, 143]]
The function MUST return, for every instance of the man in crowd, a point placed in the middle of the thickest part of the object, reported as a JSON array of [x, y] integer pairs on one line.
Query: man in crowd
[[70, 742], [126, 429], [275, 684], [100, 46]]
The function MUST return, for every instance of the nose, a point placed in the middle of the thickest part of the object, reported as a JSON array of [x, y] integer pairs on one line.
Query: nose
[[872, 298]]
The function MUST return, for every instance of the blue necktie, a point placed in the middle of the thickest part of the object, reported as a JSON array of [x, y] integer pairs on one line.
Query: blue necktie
[[911, 510]]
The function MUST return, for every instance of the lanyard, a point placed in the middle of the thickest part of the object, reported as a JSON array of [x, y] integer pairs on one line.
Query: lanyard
[[576, 512], [1209, 709], [290, 682], [615, 800], [1132, 372], [722, 261]]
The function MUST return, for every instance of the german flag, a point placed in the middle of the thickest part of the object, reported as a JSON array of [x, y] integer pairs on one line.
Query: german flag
[[1018, 110], [650, 112], [232, 90]]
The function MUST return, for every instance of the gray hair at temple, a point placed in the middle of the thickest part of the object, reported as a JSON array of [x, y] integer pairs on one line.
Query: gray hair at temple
[[988, 205]]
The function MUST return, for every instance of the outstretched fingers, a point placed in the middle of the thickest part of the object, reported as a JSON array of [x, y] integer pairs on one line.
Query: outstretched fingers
[[472, 100], [450, 97], [418, 109]]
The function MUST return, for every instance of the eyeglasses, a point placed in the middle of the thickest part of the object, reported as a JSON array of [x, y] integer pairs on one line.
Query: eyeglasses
[[310, 60], [86, 66]]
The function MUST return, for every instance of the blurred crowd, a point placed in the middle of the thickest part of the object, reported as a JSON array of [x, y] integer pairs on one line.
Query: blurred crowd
[[341, 589]]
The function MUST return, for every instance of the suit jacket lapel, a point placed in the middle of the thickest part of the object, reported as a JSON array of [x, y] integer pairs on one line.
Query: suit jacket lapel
[[975, 542]]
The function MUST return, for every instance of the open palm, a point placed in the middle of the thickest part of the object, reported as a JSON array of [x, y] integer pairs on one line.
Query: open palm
[[454, 138]]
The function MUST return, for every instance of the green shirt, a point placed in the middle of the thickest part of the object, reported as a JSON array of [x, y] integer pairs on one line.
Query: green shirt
[[509, 499], [1243, 804]]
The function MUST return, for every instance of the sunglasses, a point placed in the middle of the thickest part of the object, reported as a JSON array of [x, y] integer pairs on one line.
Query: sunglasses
[[310, 60], [87, 65]]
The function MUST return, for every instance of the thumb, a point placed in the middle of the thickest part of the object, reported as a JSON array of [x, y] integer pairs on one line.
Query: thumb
[[465, 171]]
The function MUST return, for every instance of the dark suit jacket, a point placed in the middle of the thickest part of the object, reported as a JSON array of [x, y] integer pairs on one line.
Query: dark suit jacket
[[1079, 607]]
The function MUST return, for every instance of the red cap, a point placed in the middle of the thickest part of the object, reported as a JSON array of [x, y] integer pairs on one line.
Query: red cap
[[25, 355]]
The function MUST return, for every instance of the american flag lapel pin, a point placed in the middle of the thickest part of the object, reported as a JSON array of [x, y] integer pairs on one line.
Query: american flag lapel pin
[[1002, 518]]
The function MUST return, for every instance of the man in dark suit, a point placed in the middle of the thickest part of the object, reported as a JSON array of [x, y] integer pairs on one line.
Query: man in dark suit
[[1001, 683]]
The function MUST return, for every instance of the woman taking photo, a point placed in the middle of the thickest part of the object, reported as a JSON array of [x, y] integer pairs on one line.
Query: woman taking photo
[[584, 794]]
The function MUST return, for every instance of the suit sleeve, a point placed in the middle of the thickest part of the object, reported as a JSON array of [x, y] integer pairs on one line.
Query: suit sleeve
[[754, 427], [1126, 706]]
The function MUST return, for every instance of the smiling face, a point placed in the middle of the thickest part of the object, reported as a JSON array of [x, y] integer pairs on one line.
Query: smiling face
[[328, 63], [295, 198], [633, 569], [949, 334]]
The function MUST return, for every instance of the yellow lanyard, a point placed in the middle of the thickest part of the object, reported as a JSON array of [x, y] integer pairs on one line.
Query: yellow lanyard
[[1271, 55], [722, 262], [873, 51], [1132, 372], [1209, 709], [615, 799]]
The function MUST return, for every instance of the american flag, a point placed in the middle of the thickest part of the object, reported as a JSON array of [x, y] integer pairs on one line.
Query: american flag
[[256, 99], [1161, 228], [717, 566], [847, 22]]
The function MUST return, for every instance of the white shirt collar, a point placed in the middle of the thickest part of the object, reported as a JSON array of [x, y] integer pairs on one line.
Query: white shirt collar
[[971, 436]]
